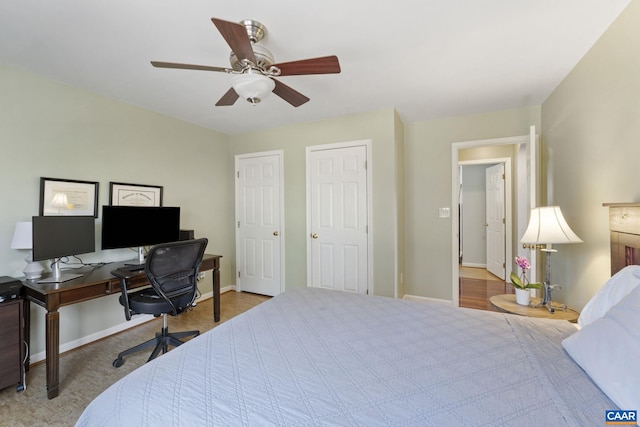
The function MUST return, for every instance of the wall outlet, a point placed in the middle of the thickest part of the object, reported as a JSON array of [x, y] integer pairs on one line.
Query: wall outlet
[[201, 276], [444, 212]]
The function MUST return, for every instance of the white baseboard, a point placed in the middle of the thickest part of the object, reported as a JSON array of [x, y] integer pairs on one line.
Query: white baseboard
[[427, 300], [223, 290], [137, 320], [474, 265]]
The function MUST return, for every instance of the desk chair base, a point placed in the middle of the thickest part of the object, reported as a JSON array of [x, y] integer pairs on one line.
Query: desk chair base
[[162, 341]]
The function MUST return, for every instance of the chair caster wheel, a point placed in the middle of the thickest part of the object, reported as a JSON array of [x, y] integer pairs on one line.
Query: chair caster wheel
[[118, 362], [20, 387]]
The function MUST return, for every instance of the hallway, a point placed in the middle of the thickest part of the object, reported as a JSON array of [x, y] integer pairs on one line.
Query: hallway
[[477, 285]]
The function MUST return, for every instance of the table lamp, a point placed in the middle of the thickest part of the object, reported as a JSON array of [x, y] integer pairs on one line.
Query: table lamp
[[60, 201], [547, 226], [22, 239]]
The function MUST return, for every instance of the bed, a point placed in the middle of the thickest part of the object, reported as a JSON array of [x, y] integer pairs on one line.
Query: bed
[[319, 357]]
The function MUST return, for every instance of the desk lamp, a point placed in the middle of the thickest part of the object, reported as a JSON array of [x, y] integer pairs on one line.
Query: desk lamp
[[546, 227], [60, 201], [22, 240]]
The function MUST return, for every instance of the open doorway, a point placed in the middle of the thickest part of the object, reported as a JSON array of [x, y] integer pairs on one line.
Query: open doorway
[[485, 218], [485, 229], [522, 152]]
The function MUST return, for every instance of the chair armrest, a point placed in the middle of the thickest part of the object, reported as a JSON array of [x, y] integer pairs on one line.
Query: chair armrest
[[124, 275]]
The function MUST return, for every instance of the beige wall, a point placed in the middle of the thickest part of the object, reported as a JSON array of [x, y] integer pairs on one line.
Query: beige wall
[[591, 147], [51, 130], [489, 152], [377, 126], [426, 240], [428, 259]]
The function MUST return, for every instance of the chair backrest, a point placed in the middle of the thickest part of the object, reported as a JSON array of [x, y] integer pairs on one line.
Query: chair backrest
[[172, 269]]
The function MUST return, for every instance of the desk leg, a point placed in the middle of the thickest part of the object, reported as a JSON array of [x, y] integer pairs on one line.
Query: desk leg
[[216, 294], [52, 320]]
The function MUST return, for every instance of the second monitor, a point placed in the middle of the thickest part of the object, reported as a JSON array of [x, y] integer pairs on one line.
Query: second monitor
[[139, 226]]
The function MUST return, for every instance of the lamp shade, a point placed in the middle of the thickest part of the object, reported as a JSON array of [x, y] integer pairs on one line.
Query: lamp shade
[[548, 226], [60, 200], [22, 236], [253, 87]]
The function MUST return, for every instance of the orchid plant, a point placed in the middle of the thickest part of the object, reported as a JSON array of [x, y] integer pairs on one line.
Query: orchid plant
[[521, 282]]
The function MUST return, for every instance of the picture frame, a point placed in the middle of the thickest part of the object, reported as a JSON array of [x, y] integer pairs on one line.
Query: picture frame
[[124, 194], [68, 197]]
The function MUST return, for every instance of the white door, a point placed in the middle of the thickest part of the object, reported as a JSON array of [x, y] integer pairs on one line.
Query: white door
[[495, 220], [259, 223], [337, 182]]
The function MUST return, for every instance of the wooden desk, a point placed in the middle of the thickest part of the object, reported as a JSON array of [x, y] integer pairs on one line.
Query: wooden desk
[[96, 282], [507, 302]]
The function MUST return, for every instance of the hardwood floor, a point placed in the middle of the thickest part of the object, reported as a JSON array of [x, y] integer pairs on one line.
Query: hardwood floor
[[477, 285]]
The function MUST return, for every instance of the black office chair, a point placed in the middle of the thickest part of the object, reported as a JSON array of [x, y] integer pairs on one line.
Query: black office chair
[[172, 271]]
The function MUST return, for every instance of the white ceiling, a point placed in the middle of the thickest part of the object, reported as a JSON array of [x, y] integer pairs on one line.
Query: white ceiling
[[425, 58]]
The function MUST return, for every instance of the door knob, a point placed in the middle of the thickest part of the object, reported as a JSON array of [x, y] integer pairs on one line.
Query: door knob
[[275, 233], [314, 236]]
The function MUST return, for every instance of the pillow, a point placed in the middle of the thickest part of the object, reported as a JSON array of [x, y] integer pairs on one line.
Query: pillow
[[609, 350], [616, 288]]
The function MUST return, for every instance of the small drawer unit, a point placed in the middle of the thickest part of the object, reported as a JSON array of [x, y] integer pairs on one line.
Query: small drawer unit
[[12, 347]]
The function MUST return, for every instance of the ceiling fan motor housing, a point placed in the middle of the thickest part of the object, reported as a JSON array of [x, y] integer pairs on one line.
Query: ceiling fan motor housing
[[264, 58], [256, 30]]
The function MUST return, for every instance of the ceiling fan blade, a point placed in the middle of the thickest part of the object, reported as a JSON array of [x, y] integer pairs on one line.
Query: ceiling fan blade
[[237, 38], [160, 64], [290, 95], [323, 65], [228, 98]]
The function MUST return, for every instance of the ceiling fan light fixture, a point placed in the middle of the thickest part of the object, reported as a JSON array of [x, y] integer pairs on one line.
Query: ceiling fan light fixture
[[253, 87]]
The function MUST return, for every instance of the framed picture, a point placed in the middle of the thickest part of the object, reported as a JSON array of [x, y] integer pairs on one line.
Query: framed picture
[[121, 194], [68, 197]]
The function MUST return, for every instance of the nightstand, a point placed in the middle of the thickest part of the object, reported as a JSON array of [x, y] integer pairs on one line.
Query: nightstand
[[507, 302]]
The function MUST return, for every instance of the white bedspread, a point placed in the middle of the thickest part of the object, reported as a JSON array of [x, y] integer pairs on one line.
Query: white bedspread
[[316, 357]]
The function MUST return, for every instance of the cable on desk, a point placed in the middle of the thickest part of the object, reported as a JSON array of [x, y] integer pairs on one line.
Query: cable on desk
[[24, 371]]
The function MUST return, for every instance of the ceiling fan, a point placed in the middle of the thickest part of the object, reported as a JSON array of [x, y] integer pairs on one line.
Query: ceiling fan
[[253, 67]]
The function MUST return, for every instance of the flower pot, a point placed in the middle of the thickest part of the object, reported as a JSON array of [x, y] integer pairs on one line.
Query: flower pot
[[522, 296]]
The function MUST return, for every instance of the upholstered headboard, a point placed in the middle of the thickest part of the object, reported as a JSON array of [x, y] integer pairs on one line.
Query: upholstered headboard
[[624, 227]]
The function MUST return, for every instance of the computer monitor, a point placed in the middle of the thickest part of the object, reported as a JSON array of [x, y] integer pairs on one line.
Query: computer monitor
[[139, 226], [55, 237]]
